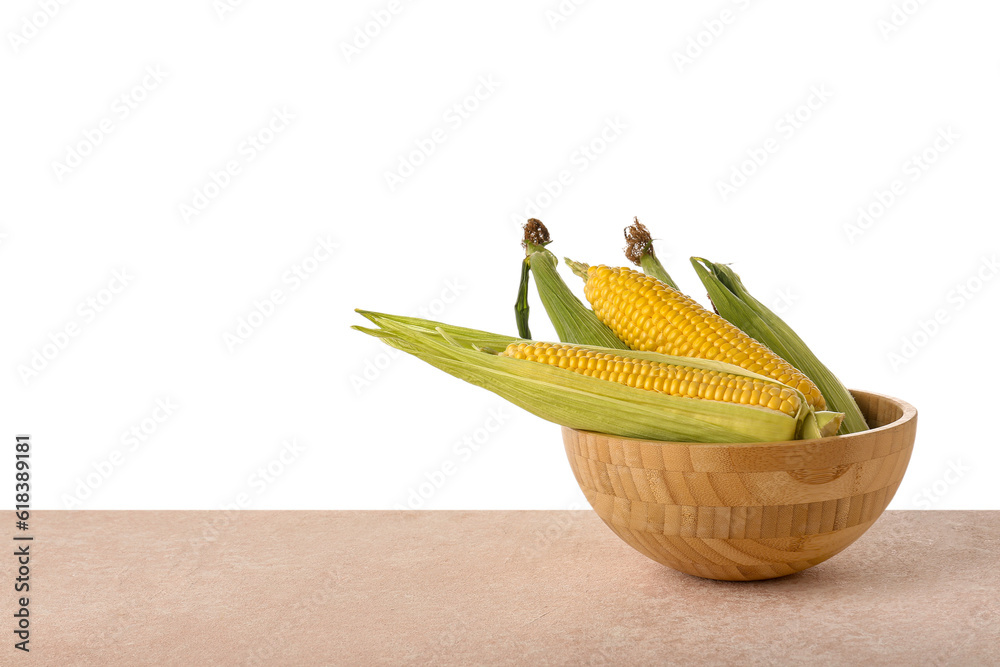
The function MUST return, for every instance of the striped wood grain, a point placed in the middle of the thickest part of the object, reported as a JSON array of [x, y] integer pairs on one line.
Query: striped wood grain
[[746, 511]]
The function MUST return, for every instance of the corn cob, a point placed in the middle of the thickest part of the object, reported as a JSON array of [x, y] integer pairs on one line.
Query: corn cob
[[664, 378], [737, 305], [648, 315], [573, 321], [574, 399]]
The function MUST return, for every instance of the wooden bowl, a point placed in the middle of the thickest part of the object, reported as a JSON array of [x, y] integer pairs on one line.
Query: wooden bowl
[[747, 511]]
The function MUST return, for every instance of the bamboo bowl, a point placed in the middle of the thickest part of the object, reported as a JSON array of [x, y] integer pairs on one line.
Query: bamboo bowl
[[741, 512]]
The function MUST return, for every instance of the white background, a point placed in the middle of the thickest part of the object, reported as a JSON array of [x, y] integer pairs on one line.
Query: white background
[[369, 430]]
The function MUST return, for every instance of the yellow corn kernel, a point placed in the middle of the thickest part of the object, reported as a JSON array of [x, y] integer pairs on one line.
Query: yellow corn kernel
[[683, 328], [660, 377]]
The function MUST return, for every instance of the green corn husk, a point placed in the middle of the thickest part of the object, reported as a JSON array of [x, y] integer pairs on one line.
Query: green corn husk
[[521, 308], [573, 321], [568, 398], [639, 250], [461, 336], [736, 304]]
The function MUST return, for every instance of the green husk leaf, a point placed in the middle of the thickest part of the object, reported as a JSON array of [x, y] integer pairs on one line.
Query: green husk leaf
[[736, 304], [521, 308], [573, 321], [579, 269], [651, 266], [463, 336], [568, 398]]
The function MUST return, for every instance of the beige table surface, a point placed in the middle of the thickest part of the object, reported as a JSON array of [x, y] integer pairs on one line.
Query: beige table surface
[[532, 588]]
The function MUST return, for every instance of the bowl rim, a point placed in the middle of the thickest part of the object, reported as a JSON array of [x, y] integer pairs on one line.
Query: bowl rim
[[909, 414]]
